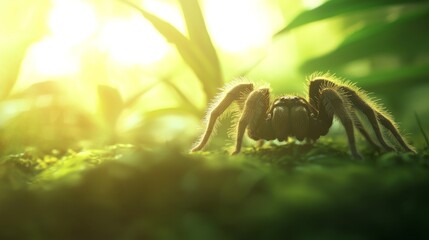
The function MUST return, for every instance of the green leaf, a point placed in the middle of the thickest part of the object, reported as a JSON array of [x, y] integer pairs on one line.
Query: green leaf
[[199, 35], [110, 104], [22, 23], [135, 97], [195, 57], [12, 55], [334, 8], [414, 75], [185, 99], [54, 88], [405, 37]]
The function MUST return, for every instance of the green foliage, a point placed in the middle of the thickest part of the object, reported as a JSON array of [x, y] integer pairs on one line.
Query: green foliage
[[401, 39], [293, 191], [333, 8], [18, 32], [197, 50], [57, 182], [375, 39]]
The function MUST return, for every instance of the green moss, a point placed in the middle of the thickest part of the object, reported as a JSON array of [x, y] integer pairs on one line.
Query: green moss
[[293, 191]]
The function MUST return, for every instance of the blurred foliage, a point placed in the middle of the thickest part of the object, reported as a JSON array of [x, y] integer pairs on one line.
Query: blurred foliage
[[64, 173], [396, 32], [383, 49], [123, 192], [19, 28], [197, 50], [107, 103]]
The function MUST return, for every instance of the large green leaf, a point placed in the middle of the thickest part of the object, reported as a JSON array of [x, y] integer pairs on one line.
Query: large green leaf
[[22, 23], [195, 57], [199, 35], [414, 75], [334, 8], [12, 55], [406, 37]]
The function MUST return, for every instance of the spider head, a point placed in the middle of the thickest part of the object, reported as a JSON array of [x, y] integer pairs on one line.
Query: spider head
[[288, 102], [290, 117]]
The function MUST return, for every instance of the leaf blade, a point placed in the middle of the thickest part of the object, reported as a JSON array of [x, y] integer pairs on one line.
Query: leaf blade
[[191, 54], [199, 35], [335, 8], [385, 38]]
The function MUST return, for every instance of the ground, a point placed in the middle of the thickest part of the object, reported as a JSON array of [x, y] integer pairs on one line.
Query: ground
[[277, 192]]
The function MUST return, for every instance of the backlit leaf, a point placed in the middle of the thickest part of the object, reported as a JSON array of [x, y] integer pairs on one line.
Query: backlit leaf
[[404, 37], [334, 8], [191, 53]]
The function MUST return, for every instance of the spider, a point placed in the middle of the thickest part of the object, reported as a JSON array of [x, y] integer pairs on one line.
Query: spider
[[305, 118]]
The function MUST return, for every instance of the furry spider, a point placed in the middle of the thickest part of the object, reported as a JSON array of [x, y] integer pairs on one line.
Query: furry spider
[[304, 119]]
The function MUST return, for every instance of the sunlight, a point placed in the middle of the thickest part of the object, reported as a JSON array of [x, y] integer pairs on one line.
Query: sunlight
[[133, 41], [72, 20], [167, 11], [310, 4], [240, 25], [51, 57]]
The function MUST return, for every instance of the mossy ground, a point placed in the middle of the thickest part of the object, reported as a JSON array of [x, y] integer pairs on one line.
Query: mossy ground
[[276, 192]]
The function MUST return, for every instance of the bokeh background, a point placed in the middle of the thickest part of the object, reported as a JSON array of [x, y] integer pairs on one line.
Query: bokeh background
[[79, 73], [101, 100]]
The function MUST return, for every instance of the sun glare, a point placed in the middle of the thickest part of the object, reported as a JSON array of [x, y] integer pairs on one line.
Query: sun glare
[[234, 26], [167, 11], [52, 58], [72, 20], [239, 25], [133, 41], [310, 4]]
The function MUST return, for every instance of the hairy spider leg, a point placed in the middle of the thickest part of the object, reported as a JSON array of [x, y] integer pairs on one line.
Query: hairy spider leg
[[255, 106], [362, 130], [333, 104], [219, 107], [374, 117], [363, 106], [389, 125]]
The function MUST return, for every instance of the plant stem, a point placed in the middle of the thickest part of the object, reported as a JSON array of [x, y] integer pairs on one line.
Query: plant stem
[[421, 129]]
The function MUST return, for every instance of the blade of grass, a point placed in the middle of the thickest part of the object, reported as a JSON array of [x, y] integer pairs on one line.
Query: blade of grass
[[191, 53], [199, 35], [419, 123], [133, 99], [187, 102]]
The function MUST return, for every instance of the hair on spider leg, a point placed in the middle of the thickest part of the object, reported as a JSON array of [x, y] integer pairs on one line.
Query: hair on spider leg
[[302, 118]]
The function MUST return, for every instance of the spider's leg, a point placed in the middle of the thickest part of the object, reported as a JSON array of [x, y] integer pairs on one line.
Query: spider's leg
[[394, 130], [358, 124], [370, 113], [333, 104], [255, 106], [315, 87], [234, 94]]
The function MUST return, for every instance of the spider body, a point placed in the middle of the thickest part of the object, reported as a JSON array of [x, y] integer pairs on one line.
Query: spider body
[[305, 119]]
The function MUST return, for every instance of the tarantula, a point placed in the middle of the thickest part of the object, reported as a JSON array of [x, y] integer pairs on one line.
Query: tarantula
[[304, 119]]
